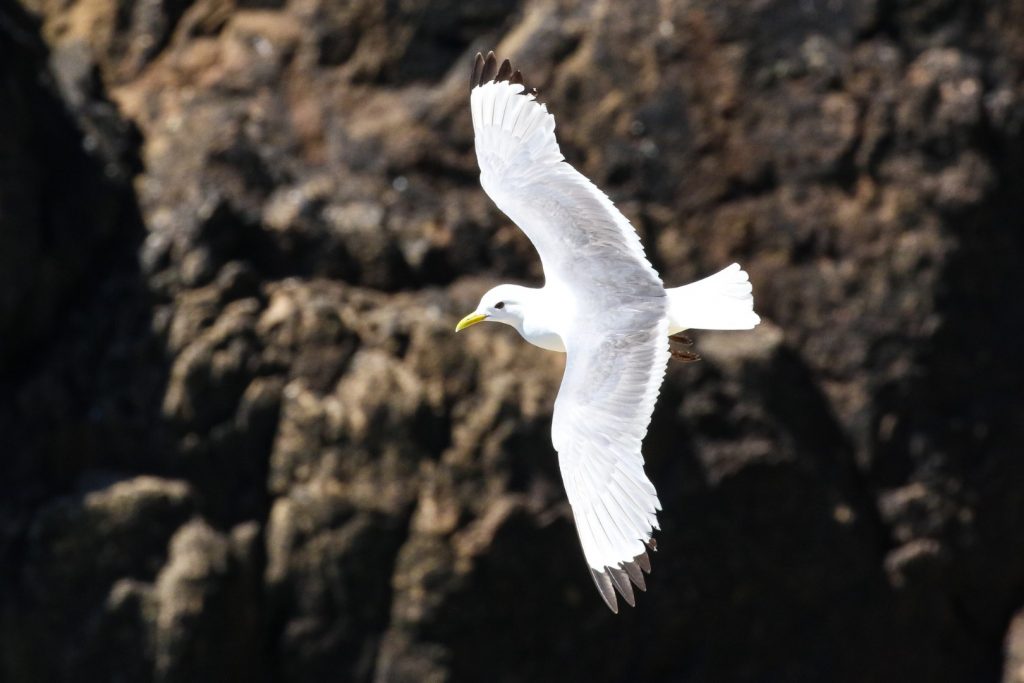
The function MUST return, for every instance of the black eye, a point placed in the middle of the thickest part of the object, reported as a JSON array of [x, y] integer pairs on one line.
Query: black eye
[[500, 304]]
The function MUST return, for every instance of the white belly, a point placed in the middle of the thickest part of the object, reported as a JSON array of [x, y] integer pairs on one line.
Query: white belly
[[544, 338], [540, 324]]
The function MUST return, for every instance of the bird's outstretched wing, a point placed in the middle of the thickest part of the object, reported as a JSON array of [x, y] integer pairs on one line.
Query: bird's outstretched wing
[[618, 347]]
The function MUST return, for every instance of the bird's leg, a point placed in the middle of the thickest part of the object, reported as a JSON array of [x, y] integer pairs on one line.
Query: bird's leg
[[684, 355]]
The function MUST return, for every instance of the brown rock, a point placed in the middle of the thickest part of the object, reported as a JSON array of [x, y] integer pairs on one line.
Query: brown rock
[[243, 441]]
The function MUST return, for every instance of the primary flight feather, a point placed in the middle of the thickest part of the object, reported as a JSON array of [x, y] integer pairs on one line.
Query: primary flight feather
[[602, 304]]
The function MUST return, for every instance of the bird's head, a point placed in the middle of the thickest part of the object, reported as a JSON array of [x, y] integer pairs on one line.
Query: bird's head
[[502, 304]]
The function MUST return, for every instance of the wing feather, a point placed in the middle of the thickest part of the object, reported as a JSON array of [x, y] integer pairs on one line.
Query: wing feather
[[617, 346]]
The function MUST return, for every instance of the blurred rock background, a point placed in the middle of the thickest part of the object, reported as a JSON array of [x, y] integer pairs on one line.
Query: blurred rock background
[[240, 442]]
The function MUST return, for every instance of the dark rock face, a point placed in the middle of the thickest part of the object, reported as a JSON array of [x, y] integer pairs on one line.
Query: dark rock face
[[241, 443]]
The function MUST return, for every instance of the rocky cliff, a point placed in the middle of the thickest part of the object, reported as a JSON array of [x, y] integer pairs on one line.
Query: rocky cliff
[[240, 441]]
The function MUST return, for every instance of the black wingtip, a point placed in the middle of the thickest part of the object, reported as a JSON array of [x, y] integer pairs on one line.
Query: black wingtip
[[644, 561], [478, 70], [486, 69], [604, 587], [490, 68], [504, 72], [635, 575], [621, 581]]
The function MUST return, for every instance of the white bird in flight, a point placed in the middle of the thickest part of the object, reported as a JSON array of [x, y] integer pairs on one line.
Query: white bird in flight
[[605, 307]]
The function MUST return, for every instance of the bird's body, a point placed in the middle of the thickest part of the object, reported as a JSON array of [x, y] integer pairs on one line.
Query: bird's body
[[715, 303], [603, 305]]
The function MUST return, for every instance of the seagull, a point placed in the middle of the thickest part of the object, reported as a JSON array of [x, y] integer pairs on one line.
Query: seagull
[[605, 307]]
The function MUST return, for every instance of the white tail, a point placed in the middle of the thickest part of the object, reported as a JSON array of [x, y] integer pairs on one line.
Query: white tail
[[723, 301]]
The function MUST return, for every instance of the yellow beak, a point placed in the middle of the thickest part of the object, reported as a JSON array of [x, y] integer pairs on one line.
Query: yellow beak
[[471, 319]]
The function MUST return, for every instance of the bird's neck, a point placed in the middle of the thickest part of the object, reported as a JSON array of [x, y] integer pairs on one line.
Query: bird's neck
[[542, 319]]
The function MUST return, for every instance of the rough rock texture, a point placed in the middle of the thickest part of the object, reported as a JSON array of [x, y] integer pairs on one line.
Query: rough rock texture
[[241, 443]]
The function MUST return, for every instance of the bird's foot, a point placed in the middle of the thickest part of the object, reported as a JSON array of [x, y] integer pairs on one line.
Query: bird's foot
[[684, 355]]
